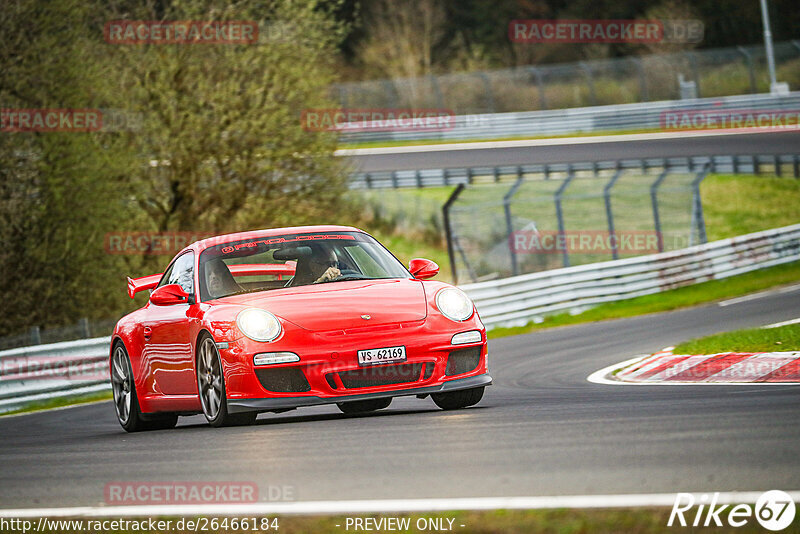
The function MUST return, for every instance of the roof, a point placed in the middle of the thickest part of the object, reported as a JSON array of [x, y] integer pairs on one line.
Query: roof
[[268, 232]]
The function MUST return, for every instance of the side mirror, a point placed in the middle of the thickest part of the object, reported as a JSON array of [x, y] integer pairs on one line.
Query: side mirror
[[168, 295], [422, 268]]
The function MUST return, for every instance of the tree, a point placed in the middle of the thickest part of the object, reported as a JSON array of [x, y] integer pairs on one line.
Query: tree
[[222, 143], [58, 190], [401, 37]]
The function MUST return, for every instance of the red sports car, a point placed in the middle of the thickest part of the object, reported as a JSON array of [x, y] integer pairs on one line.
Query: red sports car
[[271, 320]]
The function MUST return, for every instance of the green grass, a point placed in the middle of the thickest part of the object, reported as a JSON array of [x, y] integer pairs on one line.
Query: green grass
[[60, 403], [556, 521], [781, 339], [674, 299], [407, 249], [740, 204]]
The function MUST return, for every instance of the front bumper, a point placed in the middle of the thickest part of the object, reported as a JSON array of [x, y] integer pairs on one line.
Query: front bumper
[[283, 403], [329, 371]]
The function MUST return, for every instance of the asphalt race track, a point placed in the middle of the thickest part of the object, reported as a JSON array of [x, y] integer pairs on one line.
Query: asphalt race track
[[542, 429], [783, 142]]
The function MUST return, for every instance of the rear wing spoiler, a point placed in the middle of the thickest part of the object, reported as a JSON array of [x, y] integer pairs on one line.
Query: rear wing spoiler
[[280, 270], [253, 269], [140, 284]]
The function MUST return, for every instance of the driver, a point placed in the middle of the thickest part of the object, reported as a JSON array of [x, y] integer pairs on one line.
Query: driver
[[219, 279], [324, 266]]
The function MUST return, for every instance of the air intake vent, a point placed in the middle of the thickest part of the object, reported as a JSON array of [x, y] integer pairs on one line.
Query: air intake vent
[[283, 380], [381, 375], [463, 361]]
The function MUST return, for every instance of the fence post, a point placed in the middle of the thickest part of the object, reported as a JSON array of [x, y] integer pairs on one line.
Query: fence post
[[654, 201], [487, 85], [748, 60], [448, 230], [509, 222], [697, 206], [83, 327], [589, 81], [391, 92], [36, 335], [540, 85], [560, 214], [642, 79], [612, 236], [437, 91], [695, 74]]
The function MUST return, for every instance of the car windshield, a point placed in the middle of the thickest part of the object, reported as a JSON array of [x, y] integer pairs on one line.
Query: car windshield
[[291, 260]]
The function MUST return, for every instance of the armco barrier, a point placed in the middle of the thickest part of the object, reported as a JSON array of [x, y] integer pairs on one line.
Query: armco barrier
[[57, 370], [619, 117], [520, 299], [72, 368]]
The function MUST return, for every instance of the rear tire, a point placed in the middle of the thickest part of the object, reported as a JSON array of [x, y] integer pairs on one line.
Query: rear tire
[[364, 406], [454, 400], [126, 403], [211, 387]]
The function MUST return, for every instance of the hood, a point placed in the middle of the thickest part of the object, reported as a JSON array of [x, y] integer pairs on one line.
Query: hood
[[340, 305]]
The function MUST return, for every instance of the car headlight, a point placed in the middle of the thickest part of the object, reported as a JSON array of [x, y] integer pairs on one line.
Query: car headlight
[[454, 304], [258, 325]]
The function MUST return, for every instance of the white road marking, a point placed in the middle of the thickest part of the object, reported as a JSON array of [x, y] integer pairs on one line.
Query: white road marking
[[381, 506], [553, 141], [784, 323], [787, 289], [759, 295]]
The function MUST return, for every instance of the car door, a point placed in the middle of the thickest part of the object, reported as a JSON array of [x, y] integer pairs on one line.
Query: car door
[[167, 334]]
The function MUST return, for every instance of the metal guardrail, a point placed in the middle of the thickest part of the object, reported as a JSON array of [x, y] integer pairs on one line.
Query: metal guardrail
[[63, 370], [780, 164], [621, 117], [58, 370], [521, 299]]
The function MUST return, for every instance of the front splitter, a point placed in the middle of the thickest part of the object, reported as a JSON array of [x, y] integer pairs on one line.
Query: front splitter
[[283, 403]]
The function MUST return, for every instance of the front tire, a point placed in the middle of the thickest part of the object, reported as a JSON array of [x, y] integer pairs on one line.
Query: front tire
[[126, 403], [364, 406], [211, 387], [454, 400]]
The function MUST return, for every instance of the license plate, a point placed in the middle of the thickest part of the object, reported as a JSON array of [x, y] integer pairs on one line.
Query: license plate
[[384, 355]]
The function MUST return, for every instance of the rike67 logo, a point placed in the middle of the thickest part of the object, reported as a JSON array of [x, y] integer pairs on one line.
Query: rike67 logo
[[774, 510]]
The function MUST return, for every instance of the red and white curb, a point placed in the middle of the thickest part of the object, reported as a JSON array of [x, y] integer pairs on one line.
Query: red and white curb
[[666, 368]]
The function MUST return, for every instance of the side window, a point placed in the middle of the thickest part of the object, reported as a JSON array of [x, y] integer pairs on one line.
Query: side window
[[365, 263], [181, 272]]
